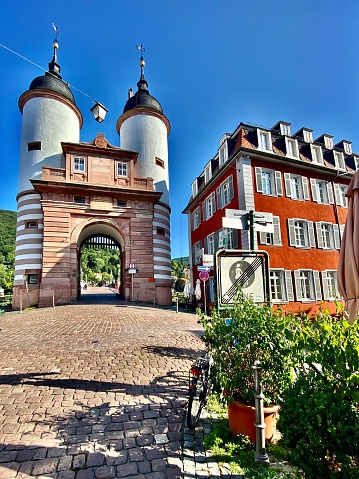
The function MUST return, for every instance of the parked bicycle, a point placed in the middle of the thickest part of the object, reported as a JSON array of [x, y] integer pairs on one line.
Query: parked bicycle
[[199, 388]]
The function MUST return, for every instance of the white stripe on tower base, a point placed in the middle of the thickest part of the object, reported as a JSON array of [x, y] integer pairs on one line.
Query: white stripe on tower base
[[29, 236], [161, 242]]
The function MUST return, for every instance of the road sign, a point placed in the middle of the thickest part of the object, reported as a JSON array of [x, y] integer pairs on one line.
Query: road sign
[[243, 270], [203, 268], [132, 266], [132, 271], [208, 260], [203, 275]]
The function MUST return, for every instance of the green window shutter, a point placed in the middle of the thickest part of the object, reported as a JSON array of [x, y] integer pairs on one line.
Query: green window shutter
[[317, 287]]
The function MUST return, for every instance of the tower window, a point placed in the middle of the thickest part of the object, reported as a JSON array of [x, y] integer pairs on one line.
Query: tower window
[[32, 279], [80, 200], [161, 231], [34, 145], [160, 162], [121, 169], [79, 164], [31, 224]]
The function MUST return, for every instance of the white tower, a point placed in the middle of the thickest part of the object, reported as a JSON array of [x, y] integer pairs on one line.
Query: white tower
[[144, 128], [50, 116]]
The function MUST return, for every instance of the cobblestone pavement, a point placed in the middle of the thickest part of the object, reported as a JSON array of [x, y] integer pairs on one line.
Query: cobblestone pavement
[[95, 391]]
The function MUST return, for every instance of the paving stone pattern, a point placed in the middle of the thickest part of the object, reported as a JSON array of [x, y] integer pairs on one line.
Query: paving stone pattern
[[96, 391]]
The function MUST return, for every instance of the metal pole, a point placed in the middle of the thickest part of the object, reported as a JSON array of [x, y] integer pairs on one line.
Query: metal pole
[[251, 229], [20, 305], [205, 299], [260, 454], [176, 304], [53, 300], [132, 287]]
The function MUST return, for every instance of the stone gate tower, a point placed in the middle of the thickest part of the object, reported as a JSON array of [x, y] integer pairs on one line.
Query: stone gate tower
[[70, 191]]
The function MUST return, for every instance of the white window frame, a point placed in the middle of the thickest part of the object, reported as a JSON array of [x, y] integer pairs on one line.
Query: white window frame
[[284, 278], [228, 238], [264, 140], [225, 192], [122, 170], [209, 206], [291, 147], [272, 239], [327, 190], [207, 172], [317, 154], [210, 244], [196, 218], [223, 153], [339, 160], [330, 285], [307, 285], [197, 252], [275, 181], [284, 129], [80, 164], [327, 235], [328, 142], [301, 233], [195, 188], [347, 147], [307, 136], [303, 189], [340, 195]]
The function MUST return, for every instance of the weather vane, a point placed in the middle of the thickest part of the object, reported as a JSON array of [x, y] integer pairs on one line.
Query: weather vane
[[141, 49], [57, 32]]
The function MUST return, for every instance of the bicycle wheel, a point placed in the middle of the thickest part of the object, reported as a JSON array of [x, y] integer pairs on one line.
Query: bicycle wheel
[[197, 398]]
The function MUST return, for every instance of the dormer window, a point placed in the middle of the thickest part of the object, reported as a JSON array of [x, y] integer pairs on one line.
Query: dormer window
[[317, 154], [292, 148], [285, 129], [195, 188], [328, 142], [307, 136], [347, 147], [264, 140], [223, 154], [339, 160], [208, 172]]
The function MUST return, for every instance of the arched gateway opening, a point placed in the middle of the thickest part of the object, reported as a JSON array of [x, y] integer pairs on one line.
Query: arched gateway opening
[[100, 259]]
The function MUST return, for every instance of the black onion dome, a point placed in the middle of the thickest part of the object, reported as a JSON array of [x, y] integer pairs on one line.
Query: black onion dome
[[142, 98], [50, 82], [52, 79]]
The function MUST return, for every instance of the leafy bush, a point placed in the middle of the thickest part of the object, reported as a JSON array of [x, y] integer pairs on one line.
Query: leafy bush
[[320, 428], [253, 332]]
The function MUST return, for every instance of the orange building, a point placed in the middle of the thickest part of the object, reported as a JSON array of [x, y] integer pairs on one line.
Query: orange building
[[301, 183]]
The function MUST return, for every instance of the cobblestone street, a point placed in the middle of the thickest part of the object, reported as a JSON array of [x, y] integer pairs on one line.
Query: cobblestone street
[[95, 390]]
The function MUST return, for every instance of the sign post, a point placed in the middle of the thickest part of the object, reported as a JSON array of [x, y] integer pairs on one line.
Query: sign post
[[203, 275], [132, 271]]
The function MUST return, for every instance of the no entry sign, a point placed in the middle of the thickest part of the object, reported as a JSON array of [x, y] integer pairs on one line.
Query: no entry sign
[[203, 275]]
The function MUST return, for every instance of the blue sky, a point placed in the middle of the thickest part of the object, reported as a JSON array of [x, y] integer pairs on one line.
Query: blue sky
[[211, 64]]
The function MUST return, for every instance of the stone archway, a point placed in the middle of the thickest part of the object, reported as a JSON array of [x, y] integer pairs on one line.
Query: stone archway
[[105, 234]]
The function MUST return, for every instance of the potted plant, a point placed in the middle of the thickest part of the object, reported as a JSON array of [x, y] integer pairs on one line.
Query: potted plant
[[236, 339]]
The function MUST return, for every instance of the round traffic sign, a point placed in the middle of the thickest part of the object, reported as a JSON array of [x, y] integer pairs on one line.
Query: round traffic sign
[[203, 275]]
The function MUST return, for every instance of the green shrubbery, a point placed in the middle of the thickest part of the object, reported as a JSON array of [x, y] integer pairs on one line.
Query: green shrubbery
[[319, 417]]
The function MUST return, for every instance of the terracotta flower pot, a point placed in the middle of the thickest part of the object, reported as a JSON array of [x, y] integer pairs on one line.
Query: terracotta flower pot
[[242, 420]]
